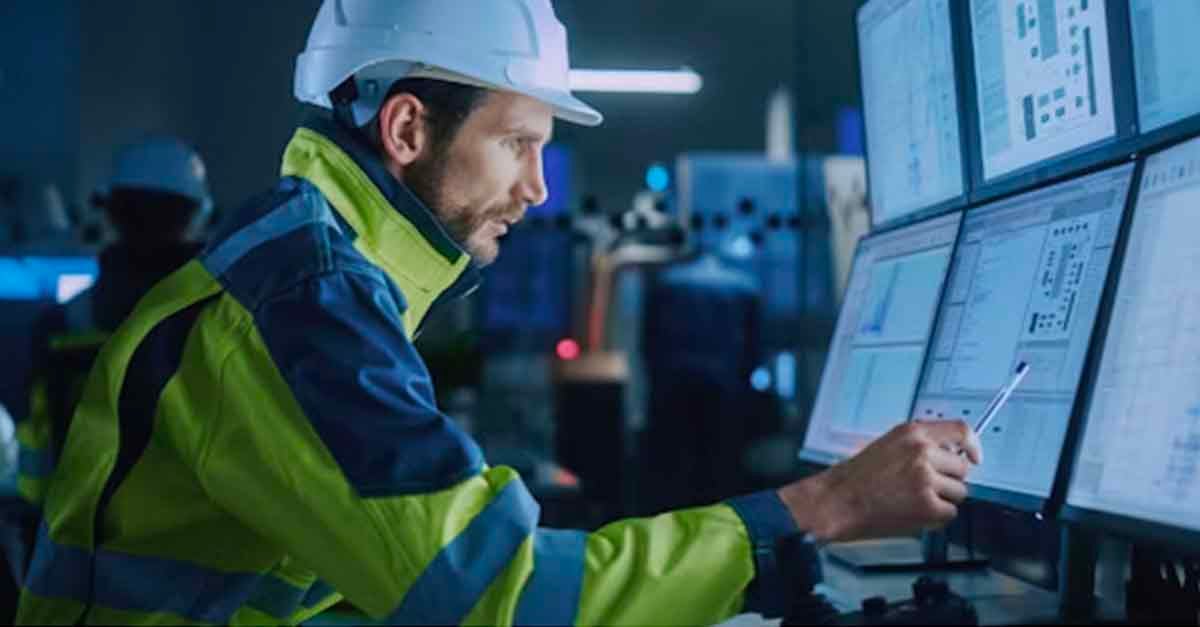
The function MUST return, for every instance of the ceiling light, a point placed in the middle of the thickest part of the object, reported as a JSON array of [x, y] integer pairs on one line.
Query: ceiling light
[[683, 81]]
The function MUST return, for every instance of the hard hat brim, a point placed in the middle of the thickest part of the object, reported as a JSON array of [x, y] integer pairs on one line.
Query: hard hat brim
[[566, 106]]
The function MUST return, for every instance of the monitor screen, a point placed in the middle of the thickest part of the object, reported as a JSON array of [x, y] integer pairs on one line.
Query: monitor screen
[[879, 343], [1140, 453], [18, 281], [527, 289], [1043, 79], [57, 279], [1028, 277], [1165, 49], [914, 149]]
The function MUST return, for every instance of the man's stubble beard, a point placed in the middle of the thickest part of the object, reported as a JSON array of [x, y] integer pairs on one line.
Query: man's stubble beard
[[427, 177]]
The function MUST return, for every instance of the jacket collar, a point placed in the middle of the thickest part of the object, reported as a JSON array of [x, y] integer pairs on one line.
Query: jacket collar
[[394, 229]]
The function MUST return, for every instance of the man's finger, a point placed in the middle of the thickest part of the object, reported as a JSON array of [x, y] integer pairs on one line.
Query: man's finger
[[949, 463], [956, 435], [950, 489], [941, 510]]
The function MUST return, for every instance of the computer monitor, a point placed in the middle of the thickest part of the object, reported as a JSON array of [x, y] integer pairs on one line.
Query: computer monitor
[[911, 102], [1137, 469], [527, 293], [18, 281], [46, 278], [1043, 80], [1165, 49], [882, 332], [1026, 286]]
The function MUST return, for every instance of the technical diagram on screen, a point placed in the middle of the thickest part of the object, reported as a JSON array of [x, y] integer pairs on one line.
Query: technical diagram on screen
[[1026, 286], [1165, 49], [1043, 79], [882, 332], [910, 99], [1140, 453]]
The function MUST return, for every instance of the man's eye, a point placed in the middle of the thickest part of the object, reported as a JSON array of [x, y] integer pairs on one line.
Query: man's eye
[[518, 144]]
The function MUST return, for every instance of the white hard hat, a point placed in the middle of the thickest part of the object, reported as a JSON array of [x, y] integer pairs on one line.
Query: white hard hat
[[164, 164], [511, 45]]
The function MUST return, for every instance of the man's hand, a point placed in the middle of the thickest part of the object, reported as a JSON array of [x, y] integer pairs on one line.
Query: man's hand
[[908, 480]]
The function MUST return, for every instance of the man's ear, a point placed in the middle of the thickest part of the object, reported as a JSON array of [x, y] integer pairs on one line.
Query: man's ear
[[402, 130]]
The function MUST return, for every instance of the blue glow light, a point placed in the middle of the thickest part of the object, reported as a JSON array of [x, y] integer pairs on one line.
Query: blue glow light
[[45, 278], [761, 379], [658, 178], [785, 375], [17, 282]]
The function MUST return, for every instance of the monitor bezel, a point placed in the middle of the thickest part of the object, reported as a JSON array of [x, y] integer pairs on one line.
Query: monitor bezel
[[1049, 505], [954, 203], [826, 458], [1076, 161], [1170, 135], [1122, 525]]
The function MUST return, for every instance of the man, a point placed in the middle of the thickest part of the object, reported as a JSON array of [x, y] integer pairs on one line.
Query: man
[[260, 438], [155, 199]]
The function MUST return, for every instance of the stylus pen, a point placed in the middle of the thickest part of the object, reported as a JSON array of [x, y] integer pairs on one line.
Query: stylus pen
[[1001, 398]]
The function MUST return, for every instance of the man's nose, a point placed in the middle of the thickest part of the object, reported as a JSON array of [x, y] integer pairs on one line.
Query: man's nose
[[533, 182]]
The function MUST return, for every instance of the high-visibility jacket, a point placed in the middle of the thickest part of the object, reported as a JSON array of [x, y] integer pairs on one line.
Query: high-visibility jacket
[[260, 439], [66, 340]]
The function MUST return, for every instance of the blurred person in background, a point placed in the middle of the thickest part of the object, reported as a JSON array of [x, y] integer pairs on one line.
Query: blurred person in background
[[155, 202]]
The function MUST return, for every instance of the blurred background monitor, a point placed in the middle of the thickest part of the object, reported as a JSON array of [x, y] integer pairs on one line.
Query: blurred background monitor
[[526, 297], [52, 279]]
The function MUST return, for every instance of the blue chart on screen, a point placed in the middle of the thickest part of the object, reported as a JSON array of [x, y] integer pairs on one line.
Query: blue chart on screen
[[1028, 277], [1140, 456], [1043, 77], [897, 287], [911, 108], [1165, 49]]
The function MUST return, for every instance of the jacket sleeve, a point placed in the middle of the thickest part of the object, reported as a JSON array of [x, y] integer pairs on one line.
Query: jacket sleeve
[[328, 443]]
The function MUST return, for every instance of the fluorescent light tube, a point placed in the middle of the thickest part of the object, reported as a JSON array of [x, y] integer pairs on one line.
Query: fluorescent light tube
[[636, 81]]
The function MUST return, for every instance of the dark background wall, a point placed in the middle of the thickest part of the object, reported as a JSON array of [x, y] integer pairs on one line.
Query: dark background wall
[[79, 78], [743, 49], [216, 72], [39, 90]]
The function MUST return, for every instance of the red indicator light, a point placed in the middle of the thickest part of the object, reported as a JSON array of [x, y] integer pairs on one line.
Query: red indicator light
[[567, 350]]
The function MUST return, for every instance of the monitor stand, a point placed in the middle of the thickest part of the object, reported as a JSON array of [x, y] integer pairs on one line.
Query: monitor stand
[[931, 552]]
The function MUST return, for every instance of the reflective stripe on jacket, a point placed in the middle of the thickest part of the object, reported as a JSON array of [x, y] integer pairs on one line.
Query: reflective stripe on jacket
[[260, 439]]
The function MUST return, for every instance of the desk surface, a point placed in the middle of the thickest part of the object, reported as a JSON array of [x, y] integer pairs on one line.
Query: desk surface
[[998, 598]]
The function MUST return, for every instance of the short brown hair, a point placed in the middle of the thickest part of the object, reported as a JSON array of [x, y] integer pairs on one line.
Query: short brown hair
[[448, 105]]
